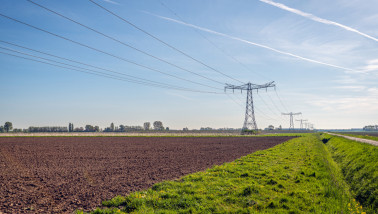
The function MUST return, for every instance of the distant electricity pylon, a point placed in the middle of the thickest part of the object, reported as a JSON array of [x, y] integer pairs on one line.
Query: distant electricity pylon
[[302, 122], [309, 125], [249, 121], [291, 118]]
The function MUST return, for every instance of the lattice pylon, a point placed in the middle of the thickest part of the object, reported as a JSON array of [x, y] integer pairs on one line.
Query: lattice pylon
[[249, 121]]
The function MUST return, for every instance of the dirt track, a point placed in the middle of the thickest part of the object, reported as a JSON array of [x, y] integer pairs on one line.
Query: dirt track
[[61, 174], [362, 140]]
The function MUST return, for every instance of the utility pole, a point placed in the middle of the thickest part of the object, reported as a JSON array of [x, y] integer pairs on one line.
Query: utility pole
[[302, 122], [249, 121], [291, 118], [306, 125]]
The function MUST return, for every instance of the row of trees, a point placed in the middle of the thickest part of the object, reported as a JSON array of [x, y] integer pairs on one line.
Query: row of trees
[[48, 129], [157, 125], [371, 128]]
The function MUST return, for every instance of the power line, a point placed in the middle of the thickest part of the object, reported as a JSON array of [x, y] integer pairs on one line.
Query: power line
[[74, 66], [281, 119], [81, 63], [226, 54], [113, 76], [104, 52], [122, 43], [163, 42], [212, 43], [257, 109], [266, 104], [281, 101]]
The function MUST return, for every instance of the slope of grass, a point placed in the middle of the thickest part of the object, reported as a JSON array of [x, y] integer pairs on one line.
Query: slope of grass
[[298, 176], [359, 164]]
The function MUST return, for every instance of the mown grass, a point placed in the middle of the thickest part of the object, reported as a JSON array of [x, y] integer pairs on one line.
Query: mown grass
[[359, 165], [298, 176], [361, 136]]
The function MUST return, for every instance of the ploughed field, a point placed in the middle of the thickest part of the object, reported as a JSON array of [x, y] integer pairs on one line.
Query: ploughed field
[[61, 174]]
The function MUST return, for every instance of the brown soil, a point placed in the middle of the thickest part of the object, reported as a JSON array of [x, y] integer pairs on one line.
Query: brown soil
[[61, 174]]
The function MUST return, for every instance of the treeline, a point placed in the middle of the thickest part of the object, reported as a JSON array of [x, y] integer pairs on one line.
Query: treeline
[[48, 129], [371, 128], [157, 126]]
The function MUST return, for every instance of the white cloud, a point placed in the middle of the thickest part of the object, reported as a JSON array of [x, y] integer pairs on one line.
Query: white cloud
[[345, 80], [371, 65], [251, 43], [355, 88], [366, 103], [317, 19], [373, 91]]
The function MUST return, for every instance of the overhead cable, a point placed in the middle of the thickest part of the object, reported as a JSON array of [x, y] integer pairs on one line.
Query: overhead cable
[[163, 42], [213, 44], [112, 76], [123, 43], [104, 52]]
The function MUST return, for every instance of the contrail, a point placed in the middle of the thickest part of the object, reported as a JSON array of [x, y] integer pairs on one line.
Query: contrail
[[111, 2], [248, 42], [315, 18]]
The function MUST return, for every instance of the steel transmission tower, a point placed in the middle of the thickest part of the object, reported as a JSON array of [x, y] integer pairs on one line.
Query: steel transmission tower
[[291, 118], [249, 121], [302, 122]]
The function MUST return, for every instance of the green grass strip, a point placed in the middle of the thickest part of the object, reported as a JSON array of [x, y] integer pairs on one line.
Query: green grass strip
[[298, 176], [359, 164]]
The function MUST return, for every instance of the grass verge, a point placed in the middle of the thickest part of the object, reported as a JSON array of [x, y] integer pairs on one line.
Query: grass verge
[[298, 176], [359, 165]]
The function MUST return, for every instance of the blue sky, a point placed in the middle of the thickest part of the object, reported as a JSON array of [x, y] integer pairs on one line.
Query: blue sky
[[323, 59]]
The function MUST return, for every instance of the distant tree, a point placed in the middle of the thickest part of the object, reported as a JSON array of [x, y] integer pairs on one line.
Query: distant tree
[[122, 128], [17, 130], [167, 129], [8, 126], [96, 129], [270, 127], [185, 129], [70, 127], [1, 129], [112, 127], [81, 129], [89, 128], [147, 126], [158, 125]]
